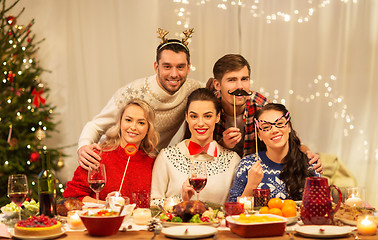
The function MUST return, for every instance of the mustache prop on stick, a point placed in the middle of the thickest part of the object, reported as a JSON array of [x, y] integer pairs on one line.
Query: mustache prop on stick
[[238, 92]]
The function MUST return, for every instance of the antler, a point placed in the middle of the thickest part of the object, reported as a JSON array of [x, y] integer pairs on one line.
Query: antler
[[187, 34], [162, 33]]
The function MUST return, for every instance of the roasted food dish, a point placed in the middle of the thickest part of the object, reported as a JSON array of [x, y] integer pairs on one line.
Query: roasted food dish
[[351, 213], [40, 226], [187, 209], [67, 205], [192, 212]]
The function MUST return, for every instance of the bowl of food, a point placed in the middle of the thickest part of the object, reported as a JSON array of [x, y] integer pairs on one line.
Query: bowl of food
[[258, 225], [102, 222]]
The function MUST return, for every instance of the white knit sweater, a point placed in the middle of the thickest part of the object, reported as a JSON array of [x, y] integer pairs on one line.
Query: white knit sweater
[[171, 171], [169, 109]]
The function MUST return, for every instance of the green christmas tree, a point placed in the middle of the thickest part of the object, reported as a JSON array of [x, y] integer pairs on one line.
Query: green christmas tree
[[26, 117]]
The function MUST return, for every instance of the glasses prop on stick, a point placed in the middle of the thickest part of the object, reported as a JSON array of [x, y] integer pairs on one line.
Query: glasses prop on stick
[[238, 92], [131, 150]]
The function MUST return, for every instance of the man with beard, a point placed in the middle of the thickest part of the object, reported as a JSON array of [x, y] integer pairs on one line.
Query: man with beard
[[166, 92], [235, 129]]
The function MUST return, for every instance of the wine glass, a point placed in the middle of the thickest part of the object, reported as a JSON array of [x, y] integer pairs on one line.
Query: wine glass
[[18, 190], [97, 179], [198, 176]]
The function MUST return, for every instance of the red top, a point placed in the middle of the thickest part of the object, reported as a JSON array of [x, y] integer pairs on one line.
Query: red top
[[138, 175]]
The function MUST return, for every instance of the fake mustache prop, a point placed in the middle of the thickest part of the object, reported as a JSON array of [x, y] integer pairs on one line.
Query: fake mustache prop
[[240, 92]]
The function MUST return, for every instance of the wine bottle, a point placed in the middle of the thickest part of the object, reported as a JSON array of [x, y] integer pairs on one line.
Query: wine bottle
[[46, 187]]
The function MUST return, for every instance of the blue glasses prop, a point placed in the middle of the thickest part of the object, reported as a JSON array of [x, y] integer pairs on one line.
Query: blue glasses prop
[[279, 123]]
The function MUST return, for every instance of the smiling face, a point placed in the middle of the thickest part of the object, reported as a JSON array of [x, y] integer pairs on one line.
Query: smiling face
[[172, 70], [275, 138], [230, 82], [201, 119], [134, 125]]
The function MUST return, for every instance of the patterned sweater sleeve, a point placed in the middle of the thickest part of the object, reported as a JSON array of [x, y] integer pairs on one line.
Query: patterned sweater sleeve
[[241, 178], [93, 130], [78, 187], [160, 178]]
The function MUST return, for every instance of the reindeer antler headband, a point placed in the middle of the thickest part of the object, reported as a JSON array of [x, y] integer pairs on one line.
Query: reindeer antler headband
[[184, 42]]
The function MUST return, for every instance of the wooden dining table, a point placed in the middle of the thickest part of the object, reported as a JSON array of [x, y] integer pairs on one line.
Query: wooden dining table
[[220, 235]]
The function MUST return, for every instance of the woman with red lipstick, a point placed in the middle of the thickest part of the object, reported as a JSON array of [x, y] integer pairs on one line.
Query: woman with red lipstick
[[135, 127], [282, 167], [171, 169]]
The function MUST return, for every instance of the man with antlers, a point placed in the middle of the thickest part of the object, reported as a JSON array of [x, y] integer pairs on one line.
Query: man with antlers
[[166, 92]]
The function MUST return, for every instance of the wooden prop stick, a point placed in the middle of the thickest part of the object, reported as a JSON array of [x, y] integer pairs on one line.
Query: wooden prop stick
[[257, 150], [124, 174], [234, 111]]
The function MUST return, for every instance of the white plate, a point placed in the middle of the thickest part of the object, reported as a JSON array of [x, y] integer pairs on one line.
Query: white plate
[[52, 236], [347, 221], [292, 220], [172, 224], [330, 231], [93, 205], [193, 232]]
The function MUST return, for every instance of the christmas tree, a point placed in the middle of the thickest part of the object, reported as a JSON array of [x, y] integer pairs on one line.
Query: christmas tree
[[26, 118]]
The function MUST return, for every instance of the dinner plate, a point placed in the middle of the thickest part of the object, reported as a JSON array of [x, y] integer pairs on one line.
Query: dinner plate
[[93, 205], [292, 220], [347, 221], [52, 236], [172, 224], [323, 231], [189, 232]]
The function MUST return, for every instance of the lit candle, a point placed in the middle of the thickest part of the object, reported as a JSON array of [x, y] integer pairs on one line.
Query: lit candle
[[74, 221], [248, 202], [366, 225], [141, 216], [354, 201], [169, 203]]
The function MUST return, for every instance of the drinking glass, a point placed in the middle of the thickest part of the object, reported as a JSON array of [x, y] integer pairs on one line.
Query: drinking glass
[[97, 179], [18, 190], [198, 176]]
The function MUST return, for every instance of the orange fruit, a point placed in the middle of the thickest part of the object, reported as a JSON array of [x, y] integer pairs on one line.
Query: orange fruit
[[275, 203], [264, 210], [275, 211], [289, 211], [289, 202]]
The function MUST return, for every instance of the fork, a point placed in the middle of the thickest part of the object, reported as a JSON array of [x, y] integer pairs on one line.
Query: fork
[[157, 231]]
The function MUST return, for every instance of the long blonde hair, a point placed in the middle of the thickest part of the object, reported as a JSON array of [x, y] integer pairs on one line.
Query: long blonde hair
[[148, 144]]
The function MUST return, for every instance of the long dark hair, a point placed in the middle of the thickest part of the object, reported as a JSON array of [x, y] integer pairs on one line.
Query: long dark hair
[[295, 163], [200, 94]]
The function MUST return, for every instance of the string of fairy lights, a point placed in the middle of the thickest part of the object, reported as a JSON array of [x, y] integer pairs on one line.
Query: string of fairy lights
[[258, 9], [322, 87]]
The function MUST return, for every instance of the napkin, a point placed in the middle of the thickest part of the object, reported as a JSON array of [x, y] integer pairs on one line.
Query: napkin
[[4, 231]]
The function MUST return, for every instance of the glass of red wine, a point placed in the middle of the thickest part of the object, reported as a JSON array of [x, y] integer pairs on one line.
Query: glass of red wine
[[18, 190], [198, 176], [97, 179]]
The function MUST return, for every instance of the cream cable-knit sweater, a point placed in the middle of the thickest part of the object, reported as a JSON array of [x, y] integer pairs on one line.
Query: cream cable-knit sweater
[[171, 171], [169, 109]]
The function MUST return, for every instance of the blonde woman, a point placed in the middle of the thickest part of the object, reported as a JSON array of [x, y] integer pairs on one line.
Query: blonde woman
[[135, 126]]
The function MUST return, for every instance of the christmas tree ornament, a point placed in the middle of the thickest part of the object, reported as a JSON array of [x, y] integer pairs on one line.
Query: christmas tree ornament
[[40, 134], [11, 20], [34, 157], [11, 76], [10, 133], [37, 97], [60, 162], [13, 142]]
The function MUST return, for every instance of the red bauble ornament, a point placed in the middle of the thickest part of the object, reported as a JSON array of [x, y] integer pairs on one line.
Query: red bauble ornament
[[11, 20], [34, 157]]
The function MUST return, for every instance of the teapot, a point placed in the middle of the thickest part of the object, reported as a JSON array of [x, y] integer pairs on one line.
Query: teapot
[[316, 206]]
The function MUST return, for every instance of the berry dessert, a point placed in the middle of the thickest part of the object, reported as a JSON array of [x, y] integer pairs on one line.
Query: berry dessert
[[37, 226]]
